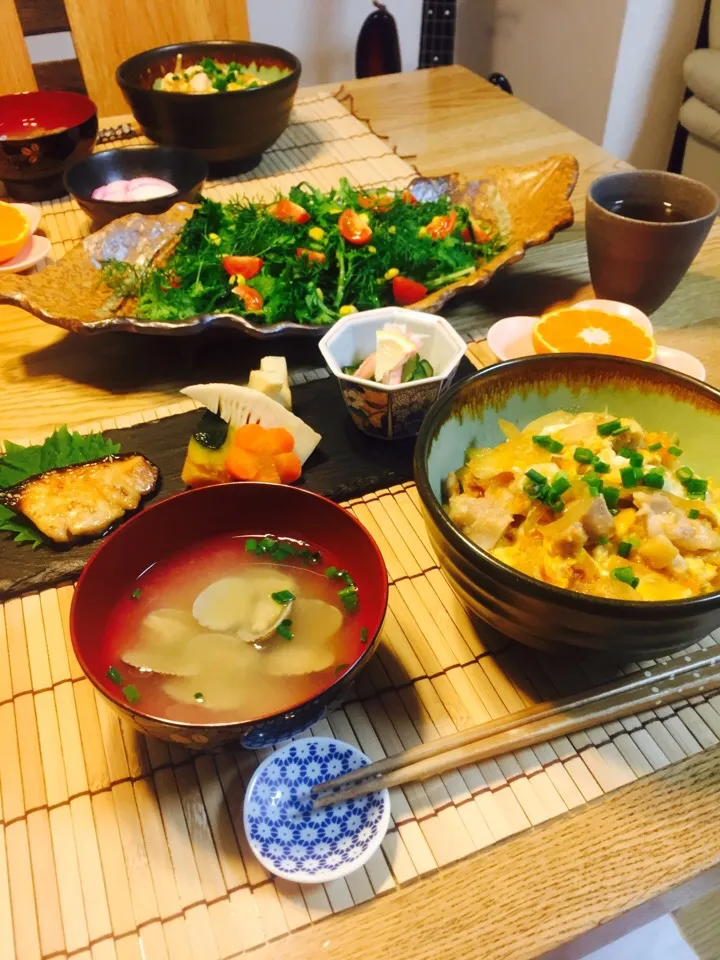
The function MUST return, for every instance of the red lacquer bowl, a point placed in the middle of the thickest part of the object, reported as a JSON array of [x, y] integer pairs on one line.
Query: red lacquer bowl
[[41, 134], [171, 525]]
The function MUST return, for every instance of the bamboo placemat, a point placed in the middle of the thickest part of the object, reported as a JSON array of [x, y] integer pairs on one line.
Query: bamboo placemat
[[113, 845], [116, 846]]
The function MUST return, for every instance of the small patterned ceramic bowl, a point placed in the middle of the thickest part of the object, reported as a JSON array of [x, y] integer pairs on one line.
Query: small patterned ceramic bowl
[[298, 843], [391, 412]]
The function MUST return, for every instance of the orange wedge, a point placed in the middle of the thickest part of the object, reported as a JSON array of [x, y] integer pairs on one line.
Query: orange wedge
[[592, 331], [14, 231]]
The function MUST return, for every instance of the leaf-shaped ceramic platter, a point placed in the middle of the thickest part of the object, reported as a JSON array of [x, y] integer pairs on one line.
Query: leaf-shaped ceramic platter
[[529, 203]]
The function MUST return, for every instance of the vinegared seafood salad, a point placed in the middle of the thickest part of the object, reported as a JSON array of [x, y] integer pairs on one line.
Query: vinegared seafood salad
[[592, 503]]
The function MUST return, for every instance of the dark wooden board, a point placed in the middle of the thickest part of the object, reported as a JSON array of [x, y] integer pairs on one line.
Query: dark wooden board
[[42, 16], [346, 464]]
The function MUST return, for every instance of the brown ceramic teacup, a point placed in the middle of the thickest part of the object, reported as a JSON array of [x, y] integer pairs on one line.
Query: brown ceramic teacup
[[644, 229]]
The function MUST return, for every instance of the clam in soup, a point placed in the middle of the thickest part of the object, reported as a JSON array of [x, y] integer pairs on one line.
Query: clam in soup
[[234, 629]]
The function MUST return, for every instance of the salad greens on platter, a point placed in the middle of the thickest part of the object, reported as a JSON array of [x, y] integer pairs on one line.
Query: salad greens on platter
[[310, 257]]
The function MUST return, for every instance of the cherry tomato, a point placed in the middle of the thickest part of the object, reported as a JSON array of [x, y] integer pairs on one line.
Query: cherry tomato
[[288, 211], [466, 235], [442, 226], [374, 201], [250, 297], [407, 291], [408, 197], [480, 231], [315, 256], [353, 228], [246, 267]]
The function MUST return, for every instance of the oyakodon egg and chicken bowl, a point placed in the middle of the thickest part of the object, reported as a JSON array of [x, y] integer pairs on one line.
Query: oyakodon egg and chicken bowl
[[573, 502], [226, 631]]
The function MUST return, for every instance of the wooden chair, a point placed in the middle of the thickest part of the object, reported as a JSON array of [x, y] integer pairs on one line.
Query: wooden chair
[[106, 33], [16, 72]]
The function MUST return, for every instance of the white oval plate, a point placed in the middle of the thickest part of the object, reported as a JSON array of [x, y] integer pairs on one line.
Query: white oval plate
[[511, 338], [32, 213], [35, 250]]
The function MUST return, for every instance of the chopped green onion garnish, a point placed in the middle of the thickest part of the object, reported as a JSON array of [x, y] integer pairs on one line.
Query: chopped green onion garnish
[[654, 480], [696, 488], [624, 549], [135, 595], [266, 545], [626, 575], [627, 475], [675, 451], [601, 467], [114, 674], [199, 697], [285, 630], [561, 483], [548, 443], [282, 597], [636, 459], [583, 455], [132, 694], [251, 545], [655, 446], [693, 514], [609, 428], [349, 598], [612, 495], [557, 506], [289, 548], [601, 541], [626, 452], [684, 474], [364, 635], [346, 578], [535, 476], [594, 482], [315, 557], [331, 572], [531, 489]]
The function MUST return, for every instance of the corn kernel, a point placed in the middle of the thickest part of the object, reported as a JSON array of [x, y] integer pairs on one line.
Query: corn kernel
[[372, 249], [214, 238], [238, 280], [335, 211], [391, 273], [316, 233], [422, 232], [392, 230], [347, 309], [234, 280], [233, 86], [365, 217]]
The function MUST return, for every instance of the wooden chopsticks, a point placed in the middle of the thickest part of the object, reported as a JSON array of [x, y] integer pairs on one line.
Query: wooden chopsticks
[[665, 683]]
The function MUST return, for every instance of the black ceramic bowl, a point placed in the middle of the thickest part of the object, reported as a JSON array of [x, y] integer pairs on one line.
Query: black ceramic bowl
[[530, 610], [171, 525], [231, 130], [185, 169], [41, 134]]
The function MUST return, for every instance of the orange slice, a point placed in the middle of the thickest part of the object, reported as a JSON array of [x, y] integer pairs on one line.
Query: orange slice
[[592, 331], [14, 231]]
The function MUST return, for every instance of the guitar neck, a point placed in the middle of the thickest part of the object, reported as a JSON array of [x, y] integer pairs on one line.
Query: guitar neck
[[437, 40]]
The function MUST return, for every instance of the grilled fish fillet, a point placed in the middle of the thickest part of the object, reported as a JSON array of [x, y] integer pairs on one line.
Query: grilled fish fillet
[[83, 501]]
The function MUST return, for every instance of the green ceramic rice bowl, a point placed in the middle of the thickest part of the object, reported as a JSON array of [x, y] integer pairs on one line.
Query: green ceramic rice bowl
[[529, 610]]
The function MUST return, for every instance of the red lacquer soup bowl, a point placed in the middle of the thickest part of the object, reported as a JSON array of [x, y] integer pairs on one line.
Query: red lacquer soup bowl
[[179, 523], [41, 134]]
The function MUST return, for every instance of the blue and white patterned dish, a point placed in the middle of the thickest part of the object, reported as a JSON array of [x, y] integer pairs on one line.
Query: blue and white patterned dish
[[296, 842]]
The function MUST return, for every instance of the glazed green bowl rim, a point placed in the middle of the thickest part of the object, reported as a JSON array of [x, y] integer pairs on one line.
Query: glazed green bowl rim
[[440, 413]]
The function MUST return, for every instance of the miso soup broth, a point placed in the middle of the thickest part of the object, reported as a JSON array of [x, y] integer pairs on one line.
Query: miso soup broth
[[222, 632]]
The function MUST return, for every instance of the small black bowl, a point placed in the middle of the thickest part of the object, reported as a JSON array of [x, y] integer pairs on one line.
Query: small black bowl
[[183, 168], [41, 134], [231, 130]]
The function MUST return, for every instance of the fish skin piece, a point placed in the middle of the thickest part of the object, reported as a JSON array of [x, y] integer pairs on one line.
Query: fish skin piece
[[83, 501]]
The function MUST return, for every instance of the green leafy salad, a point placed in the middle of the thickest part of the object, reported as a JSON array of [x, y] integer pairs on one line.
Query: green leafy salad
[[310, 257], [61, 449]]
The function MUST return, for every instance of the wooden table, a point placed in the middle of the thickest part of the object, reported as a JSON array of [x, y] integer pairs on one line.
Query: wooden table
[[552, 883]]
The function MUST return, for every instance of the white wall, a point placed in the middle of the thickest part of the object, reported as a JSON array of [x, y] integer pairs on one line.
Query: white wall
[[323, 33], [609, 69]]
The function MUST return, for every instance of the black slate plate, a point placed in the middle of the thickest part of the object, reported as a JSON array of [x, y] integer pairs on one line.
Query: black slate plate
[[346, 464]]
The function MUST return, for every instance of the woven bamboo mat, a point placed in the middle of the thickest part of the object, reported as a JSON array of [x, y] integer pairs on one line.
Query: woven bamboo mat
[[113, 845], [117, 846]]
